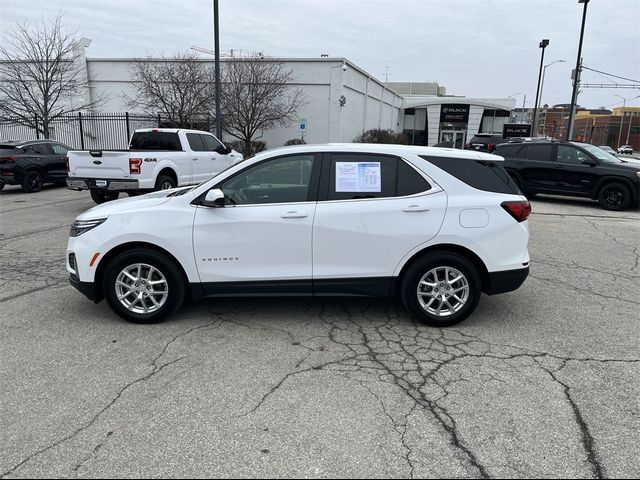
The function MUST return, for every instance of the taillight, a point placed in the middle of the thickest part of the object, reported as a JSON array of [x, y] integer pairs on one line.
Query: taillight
[[66, 161], [10, 158], [134, 166], [520, 210], [491, 147]]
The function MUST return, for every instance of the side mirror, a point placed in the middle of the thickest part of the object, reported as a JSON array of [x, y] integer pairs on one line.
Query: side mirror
[[214, 198], [223, 150], [589, 161]]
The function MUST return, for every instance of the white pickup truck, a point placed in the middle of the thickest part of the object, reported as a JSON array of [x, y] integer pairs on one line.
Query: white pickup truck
[[157, 159]]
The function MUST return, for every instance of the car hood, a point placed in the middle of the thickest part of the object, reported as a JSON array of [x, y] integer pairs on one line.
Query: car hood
[[129, 204]]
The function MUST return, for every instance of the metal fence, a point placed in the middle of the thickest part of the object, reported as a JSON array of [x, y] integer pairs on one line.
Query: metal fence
[[94, 130]]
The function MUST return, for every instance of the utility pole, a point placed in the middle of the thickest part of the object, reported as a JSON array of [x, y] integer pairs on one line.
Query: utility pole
[[576, 80]]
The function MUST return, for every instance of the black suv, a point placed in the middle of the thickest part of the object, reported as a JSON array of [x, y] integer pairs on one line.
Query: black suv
[[484, 142], [32, 163], [574, 169]]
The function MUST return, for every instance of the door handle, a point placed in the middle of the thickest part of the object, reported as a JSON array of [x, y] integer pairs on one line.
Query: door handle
[[416, 208], [518, 162], [293, 215], [195, 159], [561, 167]]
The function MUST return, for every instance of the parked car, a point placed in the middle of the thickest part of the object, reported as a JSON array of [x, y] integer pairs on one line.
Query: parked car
[[607, 149], [32, 163], [484, 142], [438, 227], [625, 149], [157, 159], [574, 169]]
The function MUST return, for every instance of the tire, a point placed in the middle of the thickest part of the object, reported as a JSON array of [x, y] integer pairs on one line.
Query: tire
[[144, 264], [32, 181], [614, 196], [427, 306], [165, 182], [101, 196]]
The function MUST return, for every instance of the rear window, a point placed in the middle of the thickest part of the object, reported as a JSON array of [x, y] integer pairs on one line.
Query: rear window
[[508, 150], [168, 141], [481, 174], [539, 152], [485, 139]]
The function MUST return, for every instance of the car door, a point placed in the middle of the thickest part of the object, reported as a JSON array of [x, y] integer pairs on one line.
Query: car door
[[260, 241], [39, 156], [200, 169], [571, 174], [535, 165], [372, 210], [217, 161], [58, 162]]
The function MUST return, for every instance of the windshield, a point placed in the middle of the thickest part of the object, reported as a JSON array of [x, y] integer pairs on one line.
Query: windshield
[[601, 155]]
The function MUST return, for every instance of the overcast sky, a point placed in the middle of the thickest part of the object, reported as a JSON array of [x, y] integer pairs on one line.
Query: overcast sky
[[479, 48]]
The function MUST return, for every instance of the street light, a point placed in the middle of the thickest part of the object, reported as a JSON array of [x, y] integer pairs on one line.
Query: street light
[[576, 79], [216, 40], [543, 44], [544, 71]]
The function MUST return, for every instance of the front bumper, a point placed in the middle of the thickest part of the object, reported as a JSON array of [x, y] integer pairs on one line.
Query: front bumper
[[106, 184], [86, 288], [505, 281]]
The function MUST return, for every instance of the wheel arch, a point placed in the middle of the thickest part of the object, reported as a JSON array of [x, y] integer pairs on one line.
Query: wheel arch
[[444, 248], [170, 172], [117, 250], [623, 180]]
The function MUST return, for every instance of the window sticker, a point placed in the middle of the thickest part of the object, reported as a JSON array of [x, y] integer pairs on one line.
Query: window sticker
[[358, 177]]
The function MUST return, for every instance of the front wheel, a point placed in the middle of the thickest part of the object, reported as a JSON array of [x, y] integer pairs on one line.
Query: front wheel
[[100, 196], [441, 289], [615, 196], [143, 286]]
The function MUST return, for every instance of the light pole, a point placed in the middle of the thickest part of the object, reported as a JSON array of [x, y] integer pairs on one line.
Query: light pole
[[576, 79], [624, 104], [216, 40], [543, 45], [544, 71]]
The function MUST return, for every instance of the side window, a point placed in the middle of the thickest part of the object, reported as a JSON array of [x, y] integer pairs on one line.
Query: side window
[[211, 144], [509, 151], [539, 153], [195, 142], [569, 154], [38, 148], [280, 180], [59, 149], [354, 176], [410, 181]]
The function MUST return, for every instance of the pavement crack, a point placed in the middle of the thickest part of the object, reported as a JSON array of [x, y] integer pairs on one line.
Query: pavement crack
[[586, 438]]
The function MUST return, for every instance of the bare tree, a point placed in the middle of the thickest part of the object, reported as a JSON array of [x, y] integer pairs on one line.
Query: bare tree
[[41, 78], [179, 88], [256, 96]]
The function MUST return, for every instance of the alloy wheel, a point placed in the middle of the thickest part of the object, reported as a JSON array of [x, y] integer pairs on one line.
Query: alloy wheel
[[443, 291], [141, 288]]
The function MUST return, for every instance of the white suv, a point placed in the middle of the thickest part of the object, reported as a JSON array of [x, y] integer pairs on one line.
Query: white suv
[[437, 226]]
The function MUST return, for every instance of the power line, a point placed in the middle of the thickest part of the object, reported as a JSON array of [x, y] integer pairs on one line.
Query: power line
[[610, 74]]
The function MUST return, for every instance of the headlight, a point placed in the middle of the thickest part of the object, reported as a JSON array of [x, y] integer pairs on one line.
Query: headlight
[[81, 226]]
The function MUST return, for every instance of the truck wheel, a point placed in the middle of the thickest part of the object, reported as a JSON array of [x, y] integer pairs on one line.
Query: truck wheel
[[32, 181], [100, 196], [165, 182]]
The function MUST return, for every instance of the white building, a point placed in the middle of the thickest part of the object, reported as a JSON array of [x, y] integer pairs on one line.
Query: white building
[[342, 102]]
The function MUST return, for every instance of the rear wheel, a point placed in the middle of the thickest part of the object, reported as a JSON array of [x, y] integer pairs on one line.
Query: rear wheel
[[441, 289], [165, 182], [614, 196], [32, 181], [101, 196], [143, 286]]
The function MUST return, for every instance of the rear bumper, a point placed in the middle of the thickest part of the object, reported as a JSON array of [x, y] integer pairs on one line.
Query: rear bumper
[[505, 281], [108, 185]]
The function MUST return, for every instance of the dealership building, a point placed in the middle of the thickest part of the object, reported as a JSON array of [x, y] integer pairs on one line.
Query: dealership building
[[341, 102]]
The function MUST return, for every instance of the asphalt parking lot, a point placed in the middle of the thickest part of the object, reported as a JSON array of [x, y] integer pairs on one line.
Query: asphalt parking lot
[[541, 382]]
